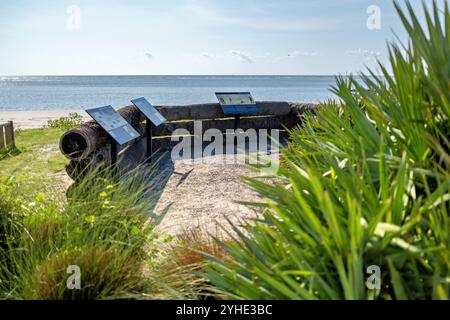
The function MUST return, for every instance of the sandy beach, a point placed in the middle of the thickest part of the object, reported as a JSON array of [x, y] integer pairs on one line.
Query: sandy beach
[[36, 119]]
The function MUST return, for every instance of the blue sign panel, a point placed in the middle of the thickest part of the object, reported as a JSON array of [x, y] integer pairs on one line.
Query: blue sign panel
[[237, 103], [149, 111], [113, 123]]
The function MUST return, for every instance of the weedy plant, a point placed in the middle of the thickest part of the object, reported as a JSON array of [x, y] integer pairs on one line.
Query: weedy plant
[[8, 152], [184, 260], [105, 229], [365, 185], [66, 123]]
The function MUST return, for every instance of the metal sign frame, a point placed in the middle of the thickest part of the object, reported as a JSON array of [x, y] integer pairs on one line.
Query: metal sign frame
[[149, 111], [237, 108], [116, 126], [153, 119], [233, 107]]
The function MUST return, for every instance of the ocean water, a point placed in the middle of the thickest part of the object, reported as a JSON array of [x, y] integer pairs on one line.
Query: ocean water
[[80, 92]]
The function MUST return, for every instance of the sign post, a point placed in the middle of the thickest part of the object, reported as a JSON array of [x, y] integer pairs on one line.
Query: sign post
[[117, 128], [149, 133], [153, 119], [237, 104]]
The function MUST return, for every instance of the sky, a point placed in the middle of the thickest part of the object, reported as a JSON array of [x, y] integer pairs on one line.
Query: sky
[[172, 37]]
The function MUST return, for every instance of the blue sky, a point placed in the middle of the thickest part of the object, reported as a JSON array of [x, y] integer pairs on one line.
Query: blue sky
[[192, 36]]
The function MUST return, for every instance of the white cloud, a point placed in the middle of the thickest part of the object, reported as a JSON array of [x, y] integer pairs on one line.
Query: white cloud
[[242, 56], [303, 54], [207, 55], [366, 54]]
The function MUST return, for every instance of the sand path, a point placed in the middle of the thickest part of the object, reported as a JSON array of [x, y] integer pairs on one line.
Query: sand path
[[203, 193]]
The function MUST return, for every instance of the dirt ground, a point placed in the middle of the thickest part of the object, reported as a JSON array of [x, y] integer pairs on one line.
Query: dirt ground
[[203, 194]]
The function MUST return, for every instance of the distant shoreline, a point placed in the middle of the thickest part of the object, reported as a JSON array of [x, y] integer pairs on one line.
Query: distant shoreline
[[36, 118]]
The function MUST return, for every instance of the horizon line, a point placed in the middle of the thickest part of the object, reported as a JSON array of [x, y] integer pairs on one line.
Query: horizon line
[[191, 75]]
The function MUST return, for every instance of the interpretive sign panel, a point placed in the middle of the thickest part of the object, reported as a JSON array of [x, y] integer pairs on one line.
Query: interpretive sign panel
[[237, 103], [149, 111], [113, 123]]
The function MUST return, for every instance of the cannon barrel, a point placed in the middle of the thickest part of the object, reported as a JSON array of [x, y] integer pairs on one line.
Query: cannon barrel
[[78, 143], [88, 146]]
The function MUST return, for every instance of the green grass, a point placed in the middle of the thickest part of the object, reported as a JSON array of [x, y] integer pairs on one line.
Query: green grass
[[365, 182], [105, 228], [37, 153], [37, 159], [36, 156]]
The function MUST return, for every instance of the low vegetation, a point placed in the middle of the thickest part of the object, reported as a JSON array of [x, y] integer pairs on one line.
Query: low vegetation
[[73, 120], [36, 160], [364, 190], [105, 229], [365, 186]]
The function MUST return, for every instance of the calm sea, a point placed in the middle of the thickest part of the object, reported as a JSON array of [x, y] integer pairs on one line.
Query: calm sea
[[79, 92]]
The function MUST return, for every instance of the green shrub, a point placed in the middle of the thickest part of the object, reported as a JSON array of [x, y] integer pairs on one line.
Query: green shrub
[[105, 228], [66, 123], [364, 182]]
